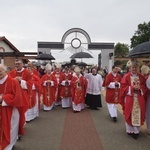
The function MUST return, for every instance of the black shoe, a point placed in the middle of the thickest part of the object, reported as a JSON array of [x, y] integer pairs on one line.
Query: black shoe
[[129, 133], [13, 148], [19, 137], [75, 111], [89, 107], [115, 119], [95, 108], [135, 136]]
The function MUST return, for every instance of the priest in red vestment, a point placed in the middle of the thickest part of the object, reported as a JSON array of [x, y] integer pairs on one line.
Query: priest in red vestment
[[34, 70], [11, 100], [49, 86], [112, 84], [58, 74], [65, 92], [78, 90], [132, 99], [25, 79], [34, 104]]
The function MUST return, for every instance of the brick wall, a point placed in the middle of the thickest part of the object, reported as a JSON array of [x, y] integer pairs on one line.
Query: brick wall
[[9, 62]]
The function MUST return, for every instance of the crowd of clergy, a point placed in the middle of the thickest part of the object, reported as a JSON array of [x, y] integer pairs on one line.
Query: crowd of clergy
[[24, 91]]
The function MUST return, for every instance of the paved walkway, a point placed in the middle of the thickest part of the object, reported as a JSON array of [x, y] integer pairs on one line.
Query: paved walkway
[[61, 129]]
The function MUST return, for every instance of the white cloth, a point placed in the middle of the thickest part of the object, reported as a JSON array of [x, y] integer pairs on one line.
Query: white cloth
[[148, 82], [78, 107], [52, 83], [132, 129], [14, 129], [24, 84], [48, 107], [66, 102], [3, 79], [94, 83], [112, 109], [112, 85], [148, 106], [64, 82], [33, 112], [30, 114], [58, 103], [4, 103]]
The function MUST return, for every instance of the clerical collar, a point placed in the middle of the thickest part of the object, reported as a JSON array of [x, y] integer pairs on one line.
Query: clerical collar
[[134, 75], [78, 76], [20, 70], [114, 74], [66, 74], [94, 74], [49, 74], [3, 79]]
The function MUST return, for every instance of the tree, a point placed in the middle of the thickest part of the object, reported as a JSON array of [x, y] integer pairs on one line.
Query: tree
[[121, 50], [141, 35]]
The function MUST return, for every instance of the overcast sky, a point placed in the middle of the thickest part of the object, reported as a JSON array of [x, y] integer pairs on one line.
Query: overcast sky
[[25, 22]]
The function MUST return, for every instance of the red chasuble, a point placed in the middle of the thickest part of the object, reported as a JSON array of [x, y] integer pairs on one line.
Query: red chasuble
[[13, 97], [58, 76], [48, 91], [127, 100], [26, 75], [66, 89], [78, 90], [112, 94]]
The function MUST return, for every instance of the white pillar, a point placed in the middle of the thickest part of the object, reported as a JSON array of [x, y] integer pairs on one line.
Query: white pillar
[[110, 65], [2, 61]]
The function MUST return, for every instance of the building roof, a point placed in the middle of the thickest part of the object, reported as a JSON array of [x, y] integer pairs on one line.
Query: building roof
[[3, 38]]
